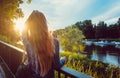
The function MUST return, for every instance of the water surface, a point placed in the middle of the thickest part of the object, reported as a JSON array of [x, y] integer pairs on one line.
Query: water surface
[[108, 54]]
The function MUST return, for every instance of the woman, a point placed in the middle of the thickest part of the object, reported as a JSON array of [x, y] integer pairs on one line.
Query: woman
[[42, 49]]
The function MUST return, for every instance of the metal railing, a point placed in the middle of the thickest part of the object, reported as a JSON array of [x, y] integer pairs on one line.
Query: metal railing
[[13, 58]]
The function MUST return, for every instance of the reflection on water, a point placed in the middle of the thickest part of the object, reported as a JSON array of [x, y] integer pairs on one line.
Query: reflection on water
[[107, 54]]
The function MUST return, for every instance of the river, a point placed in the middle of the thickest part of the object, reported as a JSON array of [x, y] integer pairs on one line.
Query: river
[[108, 53], [105, 53]]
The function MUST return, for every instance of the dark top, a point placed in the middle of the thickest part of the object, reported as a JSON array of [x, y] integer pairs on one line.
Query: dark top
[[57, 62], [32, 59]]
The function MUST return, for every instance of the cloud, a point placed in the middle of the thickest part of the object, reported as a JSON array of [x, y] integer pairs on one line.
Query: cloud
[[109, 16], [112, 20], [59, 13], [66, 11]]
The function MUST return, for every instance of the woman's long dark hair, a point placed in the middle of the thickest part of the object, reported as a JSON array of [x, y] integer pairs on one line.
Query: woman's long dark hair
[[37, 34]]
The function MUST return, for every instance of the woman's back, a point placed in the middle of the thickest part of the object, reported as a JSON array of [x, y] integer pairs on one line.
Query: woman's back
[[42, 49], [31, 60]]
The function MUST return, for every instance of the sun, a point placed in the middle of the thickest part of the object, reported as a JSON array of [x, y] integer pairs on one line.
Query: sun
[[19, 25]]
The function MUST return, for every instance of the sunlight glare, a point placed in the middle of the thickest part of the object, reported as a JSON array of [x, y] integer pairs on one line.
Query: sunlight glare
[[19, 25]]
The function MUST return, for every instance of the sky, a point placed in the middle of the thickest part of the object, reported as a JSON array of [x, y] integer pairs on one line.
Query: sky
[[63, 13]]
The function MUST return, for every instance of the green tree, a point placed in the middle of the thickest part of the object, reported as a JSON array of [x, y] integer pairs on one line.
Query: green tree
[[114, 31], [101, 30], [70, 39], [87, 29], [9, 10]]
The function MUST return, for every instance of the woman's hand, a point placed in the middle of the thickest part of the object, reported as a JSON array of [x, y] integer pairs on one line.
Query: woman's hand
[[64, 60]]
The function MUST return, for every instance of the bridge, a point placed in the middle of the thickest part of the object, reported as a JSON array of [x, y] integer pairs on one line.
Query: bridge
[[11, 58]]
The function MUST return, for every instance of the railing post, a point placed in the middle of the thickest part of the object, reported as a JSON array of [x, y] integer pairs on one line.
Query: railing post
[[66, 76], [59, 75]]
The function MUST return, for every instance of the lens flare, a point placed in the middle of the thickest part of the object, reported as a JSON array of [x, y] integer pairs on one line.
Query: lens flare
[[19, 25]]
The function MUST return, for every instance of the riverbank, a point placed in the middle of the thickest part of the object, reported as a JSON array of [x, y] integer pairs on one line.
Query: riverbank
[[97, 69], [81, 63]]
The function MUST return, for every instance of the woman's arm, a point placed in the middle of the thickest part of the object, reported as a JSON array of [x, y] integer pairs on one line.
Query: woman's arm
[[57, 62]]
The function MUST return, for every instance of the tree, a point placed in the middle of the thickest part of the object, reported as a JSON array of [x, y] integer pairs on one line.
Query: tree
[[101, 30], [118, 22], [118, 27], [114, 31], [70, 39], [87, 29], [9, 10]]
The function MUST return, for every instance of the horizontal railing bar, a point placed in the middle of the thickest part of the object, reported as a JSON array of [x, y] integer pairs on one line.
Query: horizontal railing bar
[[72, 73], [64, 70], [16, 48]]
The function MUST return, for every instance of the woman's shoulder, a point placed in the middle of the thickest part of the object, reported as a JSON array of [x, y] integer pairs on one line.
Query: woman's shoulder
[[55, 41]]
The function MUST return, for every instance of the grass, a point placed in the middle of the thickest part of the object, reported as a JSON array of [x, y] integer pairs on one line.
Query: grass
[[81, 63], [97, 69]]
